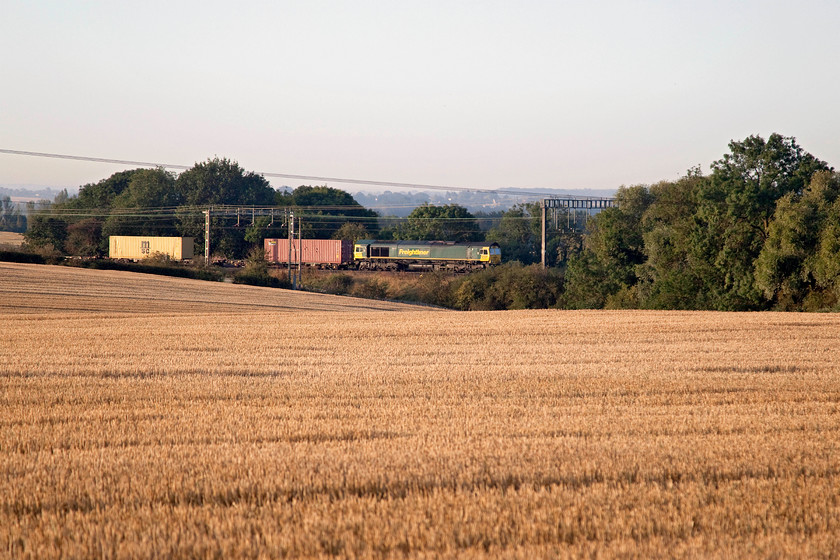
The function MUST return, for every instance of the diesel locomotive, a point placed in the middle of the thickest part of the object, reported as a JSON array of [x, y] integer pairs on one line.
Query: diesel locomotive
[[419, 255]]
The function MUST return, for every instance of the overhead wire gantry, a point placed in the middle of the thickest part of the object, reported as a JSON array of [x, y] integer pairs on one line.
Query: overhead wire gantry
[[588, 204]]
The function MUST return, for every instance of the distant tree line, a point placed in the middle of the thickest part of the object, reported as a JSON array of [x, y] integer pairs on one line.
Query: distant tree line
[[760, 231], [156, 202]]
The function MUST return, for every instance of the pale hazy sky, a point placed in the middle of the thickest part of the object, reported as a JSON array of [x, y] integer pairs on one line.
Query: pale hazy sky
[[488, 94]]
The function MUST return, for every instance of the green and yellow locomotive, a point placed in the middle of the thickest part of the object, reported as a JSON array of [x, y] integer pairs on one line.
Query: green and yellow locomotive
[[428, 255]]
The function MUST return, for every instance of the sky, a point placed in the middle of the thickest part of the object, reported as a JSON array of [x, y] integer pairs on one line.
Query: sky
[[490, 95]]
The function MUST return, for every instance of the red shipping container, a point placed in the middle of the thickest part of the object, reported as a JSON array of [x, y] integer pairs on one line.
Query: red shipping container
[[331, 252]]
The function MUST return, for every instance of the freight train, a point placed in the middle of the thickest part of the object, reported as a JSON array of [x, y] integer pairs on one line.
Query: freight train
[[332, 253], [384, 255]]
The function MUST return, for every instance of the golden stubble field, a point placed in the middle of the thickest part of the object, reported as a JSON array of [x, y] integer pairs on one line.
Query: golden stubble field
[[10, 239], [144, 416]]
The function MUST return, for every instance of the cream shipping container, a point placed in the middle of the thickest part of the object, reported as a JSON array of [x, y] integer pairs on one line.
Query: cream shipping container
[[142, 246]]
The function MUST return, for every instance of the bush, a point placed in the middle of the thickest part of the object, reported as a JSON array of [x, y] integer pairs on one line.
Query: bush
[[158, 259], [339, 284], [255, 272], [509, 286], [255, 279], [171, 269], [371, 289], [432, 288], [21, 257]]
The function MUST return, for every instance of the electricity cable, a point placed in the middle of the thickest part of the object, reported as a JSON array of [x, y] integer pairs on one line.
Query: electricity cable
[[395, 184]]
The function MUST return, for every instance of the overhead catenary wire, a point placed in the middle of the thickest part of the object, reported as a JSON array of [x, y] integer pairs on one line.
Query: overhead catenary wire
[[350, 181]]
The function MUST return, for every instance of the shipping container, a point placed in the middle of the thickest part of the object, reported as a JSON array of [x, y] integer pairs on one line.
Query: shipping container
[[142, 246], [327, 252]]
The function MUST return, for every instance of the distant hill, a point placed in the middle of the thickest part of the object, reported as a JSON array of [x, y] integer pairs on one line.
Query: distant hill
[[23, 193]]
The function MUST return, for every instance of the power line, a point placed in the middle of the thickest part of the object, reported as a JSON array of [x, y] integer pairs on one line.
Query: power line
[[290, 176]]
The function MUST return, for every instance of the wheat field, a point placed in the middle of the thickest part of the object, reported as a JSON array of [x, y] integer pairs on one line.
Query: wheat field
[[10, 239], [148, 417]]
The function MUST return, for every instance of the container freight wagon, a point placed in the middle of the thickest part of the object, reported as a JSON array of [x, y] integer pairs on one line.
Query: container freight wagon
[[137, 247], [325, 253], [404, 255]]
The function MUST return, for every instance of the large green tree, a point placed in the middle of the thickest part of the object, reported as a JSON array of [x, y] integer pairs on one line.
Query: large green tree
[[118, 205], [606, 272], [799, 264], [449, 222], [734, 210], [101, 195], [46, 231], [324, 210], [670, 277], [145, 206], [518, 233], [220, 182]]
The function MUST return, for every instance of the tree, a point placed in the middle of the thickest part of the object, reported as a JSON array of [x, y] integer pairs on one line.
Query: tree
[[450, 222], [265, 227], [588, 283], [799, 266], [219, 182], [670, 276], [735, 207], [325, 210], [145, 205], [84, 238], [613, 253], [11, 218], [46, 232], [99, 195], [73, 224], [352, 231], [518, 233]]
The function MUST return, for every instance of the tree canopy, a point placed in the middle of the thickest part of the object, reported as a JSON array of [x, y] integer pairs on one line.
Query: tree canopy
[[326, 210], [744, 237], [449, 222]]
